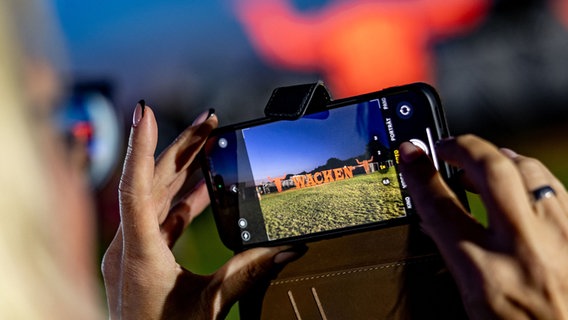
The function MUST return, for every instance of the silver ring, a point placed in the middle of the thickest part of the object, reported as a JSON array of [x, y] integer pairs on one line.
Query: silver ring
[[543, 192]]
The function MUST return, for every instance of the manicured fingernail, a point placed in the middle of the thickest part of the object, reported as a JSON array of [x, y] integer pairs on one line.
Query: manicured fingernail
[[409, 152], [203, 117], [138, 112], [509, 153], [290, 254]]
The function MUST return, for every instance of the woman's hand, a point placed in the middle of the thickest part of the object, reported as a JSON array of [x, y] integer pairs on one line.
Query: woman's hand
[[142, 278], [517, 267]]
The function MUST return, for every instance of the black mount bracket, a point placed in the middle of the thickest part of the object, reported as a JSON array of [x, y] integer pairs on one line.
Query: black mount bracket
[[292, 102]]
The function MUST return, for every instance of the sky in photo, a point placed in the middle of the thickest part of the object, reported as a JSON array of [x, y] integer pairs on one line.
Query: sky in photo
[[289, 147]]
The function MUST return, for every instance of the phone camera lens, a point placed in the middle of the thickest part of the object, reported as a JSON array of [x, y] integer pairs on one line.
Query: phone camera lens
[[223, 143], [404, 110], [243, 223]]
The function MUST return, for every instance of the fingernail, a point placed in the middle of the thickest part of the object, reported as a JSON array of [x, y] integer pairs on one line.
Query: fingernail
[[138, 112], [409, 152], [290, 254], [203, 117], [509, 153]]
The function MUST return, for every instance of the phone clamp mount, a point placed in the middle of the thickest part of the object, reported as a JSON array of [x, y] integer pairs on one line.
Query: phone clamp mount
[[292, 102]]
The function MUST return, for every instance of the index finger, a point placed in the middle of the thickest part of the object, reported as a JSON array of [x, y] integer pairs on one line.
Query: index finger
[[177, 157]]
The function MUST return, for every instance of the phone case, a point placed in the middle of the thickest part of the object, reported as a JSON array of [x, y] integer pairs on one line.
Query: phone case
[[388, 273], [391, 273]]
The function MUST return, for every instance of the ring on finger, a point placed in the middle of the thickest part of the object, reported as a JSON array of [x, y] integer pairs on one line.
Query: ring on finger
[[543, 192]]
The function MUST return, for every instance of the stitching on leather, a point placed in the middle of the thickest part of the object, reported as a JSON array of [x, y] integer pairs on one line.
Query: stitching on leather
[[429, 259]]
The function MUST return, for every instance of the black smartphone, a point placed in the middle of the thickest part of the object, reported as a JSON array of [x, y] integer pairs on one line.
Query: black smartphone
[[328, 173]]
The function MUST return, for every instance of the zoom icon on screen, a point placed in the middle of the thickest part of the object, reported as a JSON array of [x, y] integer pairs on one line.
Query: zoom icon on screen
[[404, 110]]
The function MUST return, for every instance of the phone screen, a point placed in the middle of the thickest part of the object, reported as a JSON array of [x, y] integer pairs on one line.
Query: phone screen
[[325, 172]]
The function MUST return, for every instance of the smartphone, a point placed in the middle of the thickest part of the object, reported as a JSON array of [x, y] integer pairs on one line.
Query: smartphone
[[328, 173]]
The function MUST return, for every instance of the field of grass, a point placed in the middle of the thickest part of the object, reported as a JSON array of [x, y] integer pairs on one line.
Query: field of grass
[[361, 199]]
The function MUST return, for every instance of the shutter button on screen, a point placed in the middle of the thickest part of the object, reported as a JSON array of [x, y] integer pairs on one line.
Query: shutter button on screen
[[420, 144]]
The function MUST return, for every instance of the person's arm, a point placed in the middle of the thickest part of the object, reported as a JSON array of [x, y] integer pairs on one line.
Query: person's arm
[[517, 267], [142, 278]]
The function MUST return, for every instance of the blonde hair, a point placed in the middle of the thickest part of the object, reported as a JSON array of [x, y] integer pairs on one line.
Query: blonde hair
[[33, 283]]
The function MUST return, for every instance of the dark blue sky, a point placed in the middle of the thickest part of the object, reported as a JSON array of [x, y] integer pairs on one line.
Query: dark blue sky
[[287, 147]]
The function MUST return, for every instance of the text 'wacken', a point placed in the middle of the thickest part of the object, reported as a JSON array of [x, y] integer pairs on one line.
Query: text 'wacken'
[[320, 177]]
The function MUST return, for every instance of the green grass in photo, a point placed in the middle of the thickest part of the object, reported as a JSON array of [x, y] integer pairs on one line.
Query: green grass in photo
[[361, 199]]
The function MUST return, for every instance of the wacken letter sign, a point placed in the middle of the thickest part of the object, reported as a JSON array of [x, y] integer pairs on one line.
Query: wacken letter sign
[[317, 178]]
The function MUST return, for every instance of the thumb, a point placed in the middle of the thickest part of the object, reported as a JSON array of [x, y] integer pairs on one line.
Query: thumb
[[441, 213], [253, 267]]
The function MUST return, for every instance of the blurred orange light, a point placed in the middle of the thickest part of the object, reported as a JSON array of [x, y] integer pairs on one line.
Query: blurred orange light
[[357, 46]]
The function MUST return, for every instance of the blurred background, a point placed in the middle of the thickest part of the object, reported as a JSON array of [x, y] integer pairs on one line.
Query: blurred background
[[499, 65]]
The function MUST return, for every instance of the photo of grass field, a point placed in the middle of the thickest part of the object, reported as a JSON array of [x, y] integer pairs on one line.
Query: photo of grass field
[[359, 200]]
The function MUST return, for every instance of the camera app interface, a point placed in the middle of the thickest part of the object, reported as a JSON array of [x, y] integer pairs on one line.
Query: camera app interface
[[315, 175], [330, 170]]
